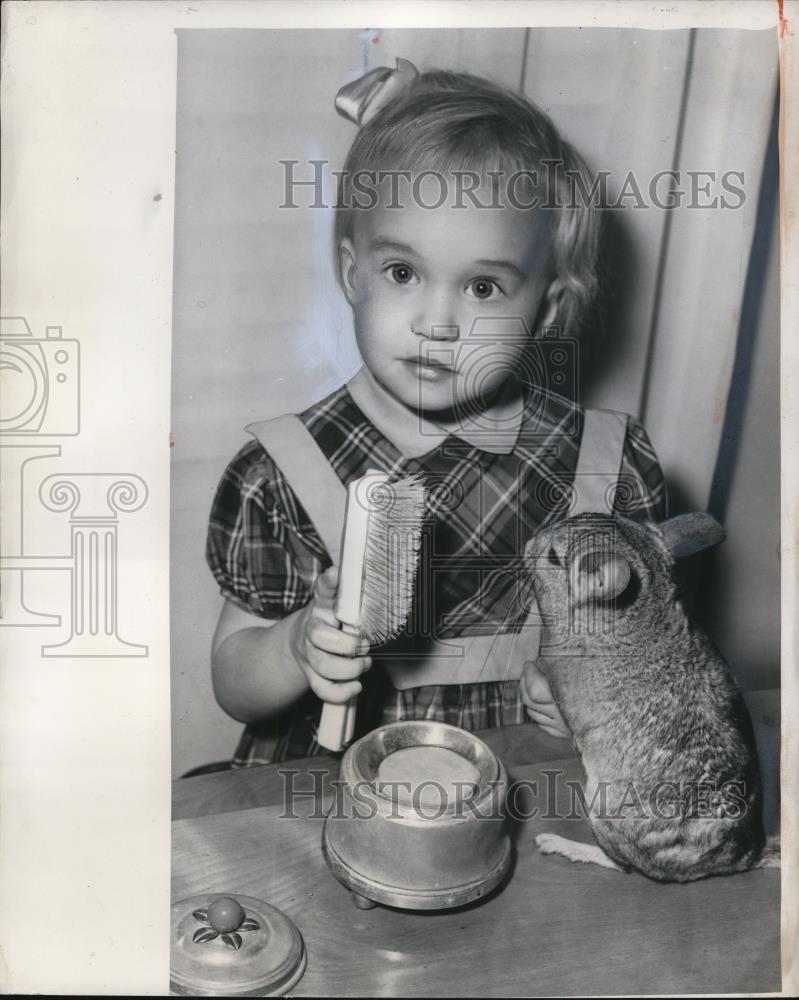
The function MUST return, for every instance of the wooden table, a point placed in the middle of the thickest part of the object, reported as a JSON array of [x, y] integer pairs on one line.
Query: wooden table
[[553, 928]]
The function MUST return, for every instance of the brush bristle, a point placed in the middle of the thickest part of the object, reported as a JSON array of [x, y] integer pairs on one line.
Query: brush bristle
[[392, 555]]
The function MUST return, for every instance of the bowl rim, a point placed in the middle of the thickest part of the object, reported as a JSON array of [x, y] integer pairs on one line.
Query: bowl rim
[[363, 759]]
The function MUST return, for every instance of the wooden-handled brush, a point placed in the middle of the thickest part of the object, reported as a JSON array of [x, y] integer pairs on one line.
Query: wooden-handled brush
[[379, 556]]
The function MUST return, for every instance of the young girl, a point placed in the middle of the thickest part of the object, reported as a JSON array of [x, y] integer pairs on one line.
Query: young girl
[[469, 264]]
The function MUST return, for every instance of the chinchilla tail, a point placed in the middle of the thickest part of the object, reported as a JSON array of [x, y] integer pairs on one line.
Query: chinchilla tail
[[770, 858]]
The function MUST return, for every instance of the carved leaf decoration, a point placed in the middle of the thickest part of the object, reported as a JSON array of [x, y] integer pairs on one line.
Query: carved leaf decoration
[[201, 915], [232, 940], [249, 925], [203, 934]]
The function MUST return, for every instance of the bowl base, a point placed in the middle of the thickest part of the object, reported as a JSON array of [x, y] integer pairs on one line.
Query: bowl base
[[415, 899]]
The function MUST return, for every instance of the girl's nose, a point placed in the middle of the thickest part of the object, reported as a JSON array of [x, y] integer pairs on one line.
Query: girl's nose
[[444, 331], [437, 320], [437, 317]]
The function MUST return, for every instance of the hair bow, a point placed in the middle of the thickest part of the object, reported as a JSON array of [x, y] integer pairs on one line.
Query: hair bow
[[361, 100]]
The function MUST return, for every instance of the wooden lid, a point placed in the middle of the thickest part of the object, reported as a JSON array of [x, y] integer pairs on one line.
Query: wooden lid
[[263, 955]]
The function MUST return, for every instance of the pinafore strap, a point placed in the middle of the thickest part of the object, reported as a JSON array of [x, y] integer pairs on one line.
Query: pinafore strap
[[599, 462], [294, 450]]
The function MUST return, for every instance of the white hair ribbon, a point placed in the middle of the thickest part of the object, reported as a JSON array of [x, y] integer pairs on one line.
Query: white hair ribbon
[[363, 98]]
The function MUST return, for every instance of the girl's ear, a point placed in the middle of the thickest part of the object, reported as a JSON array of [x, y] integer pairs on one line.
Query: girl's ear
[[346, 268]]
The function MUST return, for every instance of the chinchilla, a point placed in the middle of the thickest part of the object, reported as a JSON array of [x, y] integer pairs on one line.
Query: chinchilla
[[671, 777]]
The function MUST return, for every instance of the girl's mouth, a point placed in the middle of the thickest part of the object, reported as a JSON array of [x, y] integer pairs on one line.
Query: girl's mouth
[[429, 369]]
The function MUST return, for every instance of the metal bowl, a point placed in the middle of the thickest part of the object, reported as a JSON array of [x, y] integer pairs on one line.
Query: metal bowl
[[425, 844]]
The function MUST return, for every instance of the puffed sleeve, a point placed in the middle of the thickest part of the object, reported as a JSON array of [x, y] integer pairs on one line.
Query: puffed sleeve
[[261, 547], [641, 493]]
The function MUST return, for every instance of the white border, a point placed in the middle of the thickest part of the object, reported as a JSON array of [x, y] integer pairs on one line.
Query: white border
[[88, 137]]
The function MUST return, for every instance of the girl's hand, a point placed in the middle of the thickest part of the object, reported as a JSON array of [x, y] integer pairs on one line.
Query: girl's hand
[[331, 659], [541, 707]]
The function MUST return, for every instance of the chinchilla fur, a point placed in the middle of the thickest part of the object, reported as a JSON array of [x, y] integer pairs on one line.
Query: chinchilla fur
[[672, 783]]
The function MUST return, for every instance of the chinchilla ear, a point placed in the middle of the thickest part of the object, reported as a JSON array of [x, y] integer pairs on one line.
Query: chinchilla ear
[[687, 534], [600, 576]]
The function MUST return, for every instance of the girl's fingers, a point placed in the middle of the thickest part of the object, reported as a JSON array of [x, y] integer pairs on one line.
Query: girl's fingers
[[333, 692], [331, 639], [325, 587], [543, 715], [550, 722], [339, 668], [325, 614], [537, 696], [562, 734], [534, 685]]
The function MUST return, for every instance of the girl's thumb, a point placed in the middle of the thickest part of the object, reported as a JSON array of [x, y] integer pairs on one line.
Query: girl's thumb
[[326, 583]]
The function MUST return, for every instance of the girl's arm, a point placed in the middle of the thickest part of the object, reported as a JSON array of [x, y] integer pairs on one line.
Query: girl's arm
[[263, 557], [260, 667], [242, 644]]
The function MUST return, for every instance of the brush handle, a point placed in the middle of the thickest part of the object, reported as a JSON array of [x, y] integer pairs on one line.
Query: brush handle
[[337, 723], [334, 725]]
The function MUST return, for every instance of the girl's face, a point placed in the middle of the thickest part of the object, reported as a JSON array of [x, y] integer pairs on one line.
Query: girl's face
[[445, 300]]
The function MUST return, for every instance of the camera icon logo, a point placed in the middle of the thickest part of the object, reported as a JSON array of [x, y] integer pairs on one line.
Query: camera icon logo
[[548, 362], [40, 379]]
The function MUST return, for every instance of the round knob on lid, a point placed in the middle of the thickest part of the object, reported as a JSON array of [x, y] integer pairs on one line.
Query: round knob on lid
[[226, 945]]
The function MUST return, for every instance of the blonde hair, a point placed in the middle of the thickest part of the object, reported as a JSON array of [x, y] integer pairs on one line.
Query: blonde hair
[[452, 122]]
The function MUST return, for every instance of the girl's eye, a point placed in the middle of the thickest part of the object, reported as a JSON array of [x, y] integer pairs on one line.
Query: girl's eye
[[401, 274], [483, 288]]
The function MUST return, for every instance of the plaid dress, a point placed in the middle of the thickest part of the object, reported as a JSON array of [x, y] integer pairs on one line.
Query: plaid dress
[[483, 507]]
